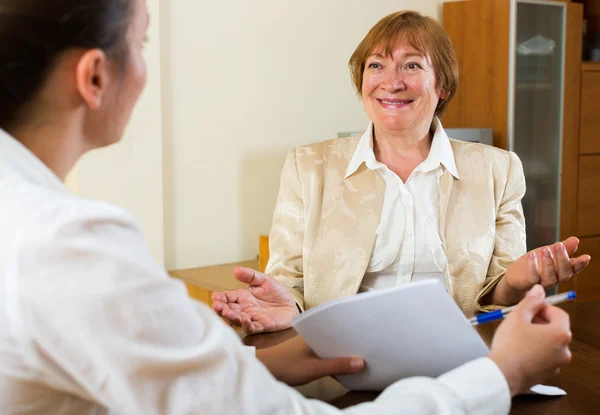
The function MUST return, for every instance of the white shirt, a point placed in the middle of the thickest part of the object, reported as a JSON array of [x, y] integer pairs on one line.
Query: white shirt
[[407, 243], [89, 322]]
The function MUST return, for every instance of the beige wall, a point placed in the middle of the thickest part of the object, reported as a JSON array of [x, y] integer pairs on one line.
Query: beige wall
[[243, 83]]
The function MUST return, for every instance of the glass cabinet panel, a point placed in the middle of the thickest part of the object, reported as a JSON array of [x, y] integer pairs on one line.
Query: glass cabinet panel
[[537, 128]]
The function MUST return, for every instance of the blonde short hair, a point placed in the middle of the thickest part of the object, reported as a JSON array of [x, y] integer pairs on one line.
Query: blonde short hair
[[422, 33]]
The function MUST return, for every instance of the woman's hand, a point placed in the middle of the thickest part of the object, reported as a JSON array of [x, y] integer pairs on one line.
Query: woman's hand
[[265, 305], [548, 266], [528, 352], [294, 363]]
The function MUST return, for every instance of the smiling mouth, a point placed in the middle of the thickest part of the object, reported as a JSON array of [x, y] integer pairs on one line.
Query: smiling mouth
[[394, 102]]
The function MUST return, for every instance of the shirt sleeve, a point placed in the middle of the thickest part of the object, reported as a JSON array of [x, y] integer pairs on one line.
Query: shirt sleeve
[[286, 237], [510, 238], [106, 324]]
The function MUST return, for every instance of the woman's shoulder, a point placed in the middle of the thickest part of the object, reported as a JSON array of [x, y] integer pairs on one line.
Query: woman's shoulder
[[336, 147], [334, 153], [66, 214], [467, 150], [459, 146], [476, 159]]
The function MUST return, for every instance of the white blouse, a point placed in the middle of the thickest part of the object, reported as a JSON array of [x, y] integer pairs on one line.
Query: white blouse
[[407, 244]]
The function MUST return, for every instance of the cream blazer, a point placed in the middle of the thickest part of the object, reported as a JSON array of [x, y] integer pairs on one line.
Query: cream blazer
[[324, 226]]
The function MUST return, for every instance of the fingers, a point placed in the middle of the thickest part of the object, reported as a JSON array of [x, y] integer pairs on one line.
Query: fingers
[[252, 327], [559, 319], [549, 277], [225, 296], [571, 244], [219, 302], [338, 366], [218, 307], [558, 329], [563, 267], [226, 305], [218, 296], [580, 263], [532, 267], [532, 304], [249, 276], [556, 266]]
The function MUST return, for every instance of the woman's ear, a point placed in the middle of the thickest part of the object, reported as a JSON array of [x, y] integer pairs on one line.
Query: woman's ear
[[92, 77]]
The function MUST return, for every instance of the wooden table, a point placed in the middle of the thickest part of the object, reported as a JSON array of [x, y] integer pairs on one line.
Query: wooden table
[[202, 281], [581, 379]]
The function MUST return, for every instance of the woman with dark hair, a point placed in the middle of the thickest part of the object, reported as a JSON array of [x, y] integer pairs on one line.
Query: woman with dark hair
[[90, 322]]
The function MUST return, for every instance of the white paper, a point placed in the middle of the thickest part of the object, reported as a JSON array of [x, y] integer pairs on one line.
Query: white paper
[[546, 390], [412, 330]]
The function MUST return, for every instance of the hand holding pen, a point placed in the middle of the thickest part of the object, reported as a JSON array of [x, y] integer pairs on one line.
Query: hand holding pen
[[526, 352], [499, 314]]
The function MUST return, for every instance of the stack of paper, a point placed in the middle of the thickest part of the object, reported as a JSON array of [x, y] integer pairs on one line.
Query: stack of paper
[[412, 330]]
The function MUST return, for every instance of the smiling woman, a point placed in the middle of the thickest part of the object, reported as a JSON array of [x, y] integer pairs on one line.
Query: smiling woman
[[402, 203], [430, 51]]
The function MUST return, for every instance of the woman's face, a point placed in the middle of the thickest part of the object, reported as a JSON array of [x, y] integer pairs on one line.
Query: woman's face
[[129, 80], [398, 91]]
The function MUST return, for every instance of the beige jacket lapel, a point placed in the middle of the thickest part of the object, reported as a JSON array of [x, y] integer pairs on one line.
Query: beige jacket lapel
[[446, 182], [346, 237]]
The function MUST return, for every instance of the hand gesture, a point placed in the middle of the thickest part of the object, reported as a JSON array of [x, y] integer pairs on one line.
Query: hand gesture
[[294, 363], [548, 266], [265, 305], [528, 352]]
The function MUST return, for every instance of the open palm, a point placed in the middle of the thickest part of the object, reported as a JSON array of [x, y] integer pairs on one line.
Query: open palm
[[265, 305]]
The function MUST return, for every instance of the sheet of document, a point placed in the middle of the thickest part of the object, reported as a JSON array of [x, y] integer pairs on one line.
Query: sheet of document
[[411, 330]]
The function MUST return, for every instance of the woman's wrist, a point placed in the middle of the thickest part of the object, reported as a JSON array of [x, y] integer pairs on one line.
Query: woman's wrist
[[503, 294], [267, 358]]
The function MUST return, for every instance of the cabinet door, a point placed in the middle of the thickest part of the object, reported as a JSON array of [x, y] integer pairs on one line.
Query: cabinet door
[[537, 113], [588, 200], [590, 113], [587, 283]]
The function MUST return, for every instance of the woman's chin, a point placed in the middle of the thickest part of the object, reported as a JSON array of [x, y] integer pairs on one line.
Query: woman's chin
[[393, 125]]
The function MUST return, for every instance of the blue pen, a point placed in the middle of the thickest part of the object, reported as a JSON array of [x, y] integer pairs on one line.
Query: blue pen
[[499, 314]]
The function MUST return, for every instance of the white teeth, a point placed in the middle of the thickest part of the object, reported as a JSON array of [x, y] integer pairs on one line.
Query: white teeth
[[394, 102]]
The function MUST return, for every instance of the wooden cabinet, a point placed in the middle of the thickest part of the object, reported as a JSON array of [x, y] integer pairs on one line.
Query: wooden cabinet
[[588, 200], [546, 108], [587, 283], [520, 75], [590, 109], [587, 183]]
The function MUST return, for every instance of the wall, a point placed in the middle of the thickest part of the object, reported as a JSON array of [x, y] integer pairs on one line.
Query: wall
[[244, 82]]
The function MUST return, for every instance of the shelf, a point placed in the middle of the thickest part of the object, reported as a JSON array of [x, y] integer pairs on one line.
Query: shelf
[[590, 66], [534, 85]]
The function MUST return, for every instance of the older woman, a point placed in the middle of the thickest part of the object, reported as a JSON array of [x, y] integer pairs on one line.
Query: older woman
[[401, 203]]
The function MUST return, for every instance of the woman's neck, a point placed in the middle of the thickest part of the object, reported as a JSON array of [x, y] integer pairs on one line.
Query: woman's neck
[[402, 151], [56, 146]]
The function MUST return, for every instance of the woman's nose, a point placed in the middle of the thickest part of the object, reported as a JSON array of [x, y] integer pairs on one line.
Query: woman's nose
[[394, 80]]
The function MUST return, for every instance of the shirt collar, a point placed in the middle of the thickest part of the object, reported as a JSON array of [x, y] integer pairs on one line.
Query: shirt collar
[[363, 153], [15, 158], [440, 153]]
